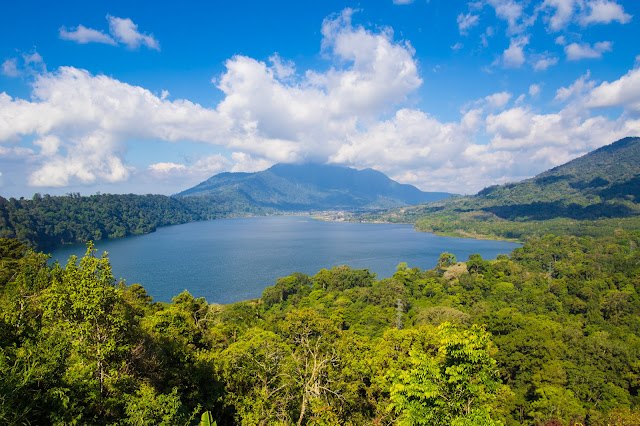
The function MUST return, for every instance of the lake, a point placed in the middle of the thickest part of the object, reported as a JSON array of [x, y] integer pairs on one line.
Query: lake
[[230, 260]]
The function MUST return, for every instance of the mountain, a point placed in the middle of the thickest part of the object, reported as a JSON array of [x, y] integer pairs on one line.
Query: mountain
[[314, 187], [602, 183], [602, 187]]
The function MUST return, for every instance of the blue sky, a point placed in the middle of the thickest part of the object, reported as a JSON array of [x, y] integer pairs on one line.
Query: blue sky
[[446, 95]]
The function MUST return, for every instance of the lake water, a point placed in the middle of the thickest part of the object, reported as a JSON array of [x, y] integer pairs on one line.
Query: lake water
[[231, 260]]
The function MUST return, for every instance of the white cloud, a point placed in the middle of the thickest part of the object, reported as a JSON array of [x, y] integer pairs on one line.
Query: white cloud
[[465, 22], [167, 168], [353, 113], [575, 51], [26, 64], [84, 35], [403, 1], [534, 90], [542, 62], [10, 67], [269, 113], [513, 56], [576, 90], [513, 13], [246, 163], [564, 11], [570, 131], [122, 30], [203, 168], [49, 145], [126, 32], [457, 46], [604, 12], [82, 122], [498, 100], [484, 38], [92, 158], [623, 92]]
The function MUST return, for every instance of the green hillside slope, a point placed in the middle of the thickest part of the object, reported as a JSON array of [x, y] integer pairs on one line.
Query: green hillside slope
[[602, 188]]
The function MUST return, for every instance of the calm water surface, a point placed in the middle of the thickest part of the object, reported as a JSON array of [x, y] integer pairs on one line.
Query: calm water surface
[[231, 260]]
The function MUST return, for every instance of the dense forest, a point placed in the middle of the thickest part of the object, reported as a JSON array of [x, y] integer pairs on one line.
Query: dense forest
[[46, 222], [546, 336]]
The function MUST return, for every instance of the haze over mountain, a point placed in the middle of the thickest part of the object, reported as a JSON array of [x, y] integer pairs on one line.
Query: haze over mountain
[[315, 187]]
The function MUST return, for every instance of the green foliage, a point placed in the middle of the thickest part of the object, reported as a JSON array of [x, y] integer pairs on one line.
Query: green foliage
[[559, 343], [456, 386], [46, 222], [147, 407]]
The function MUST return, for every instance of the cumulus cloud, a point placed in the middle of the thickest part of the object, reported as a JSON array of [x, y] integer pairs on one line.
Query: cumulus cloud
[[122, 30], [604, 12], [126, 32], [513, 13], [513, 56], [498, 100], [563, 11], [560, 13], [570, 130], [82, 121], [78, 125], [202, 168], [166, 168], [577, 51], [93, 157], [269, 113], [579, 87], [623, 92], [84, 35]]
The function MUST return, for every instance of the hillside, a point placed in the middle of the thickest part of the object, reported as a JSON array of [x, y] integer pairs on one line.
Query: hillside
[[601, 186], [46, 222], [315, 187]]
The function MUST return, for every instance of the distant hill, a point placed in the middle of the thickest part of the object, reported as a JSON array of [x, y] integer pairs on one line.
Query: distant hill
[[601, 185], [291, 187]]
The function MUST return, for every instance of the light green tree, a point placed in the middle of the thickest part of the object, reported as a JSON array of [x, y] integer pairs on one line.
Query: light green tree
[[454, 387]]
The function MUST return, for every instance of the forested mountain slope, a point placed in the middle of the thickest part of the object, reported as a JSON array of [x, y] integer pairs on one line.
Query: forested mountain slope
[[602, 187], [315, 187]]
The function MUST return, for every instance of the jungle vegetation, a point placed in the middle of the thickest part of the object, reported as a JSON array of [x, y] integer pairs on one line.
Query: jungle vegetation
[[46, 222], [546, 336]]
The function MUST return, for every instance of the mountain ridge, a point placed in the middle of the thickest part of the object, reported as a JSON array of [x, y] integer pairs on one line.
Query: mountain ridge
[[312, 186], [602, 187]]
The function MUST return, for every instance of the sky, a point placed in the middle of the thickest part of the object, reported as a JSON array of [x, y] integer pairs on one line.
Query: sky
[[138, 97]]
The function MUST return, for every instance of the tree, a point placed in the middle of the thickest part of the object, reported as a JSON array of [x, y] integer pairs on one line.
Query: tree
[[446, 260], [453, 387], [84, 307]]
